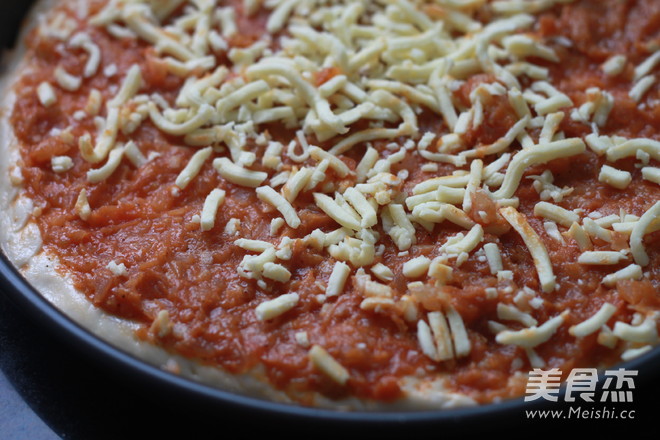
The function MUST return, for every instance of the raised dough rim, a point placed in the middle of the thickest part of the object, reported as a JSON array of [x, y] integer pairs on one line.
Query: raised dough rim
[[38, 269]]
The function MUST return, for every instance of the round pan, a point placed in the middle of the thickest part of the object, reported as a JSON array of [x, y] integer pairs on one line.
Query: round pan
[[182, 391]]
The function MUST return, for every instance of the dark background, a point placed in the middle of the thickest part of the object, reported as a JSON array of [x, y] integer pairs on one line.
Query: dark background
[[50, 389]]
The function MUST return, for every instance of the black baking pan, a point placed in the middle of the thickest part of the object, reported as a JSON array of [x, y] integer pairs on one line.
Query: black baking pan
[[85, 388]]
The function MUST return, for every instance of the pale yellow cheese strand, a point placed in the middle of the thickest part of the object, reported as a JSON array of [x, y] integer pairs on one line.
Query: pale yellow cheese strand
[[637, 235], [535, 246]]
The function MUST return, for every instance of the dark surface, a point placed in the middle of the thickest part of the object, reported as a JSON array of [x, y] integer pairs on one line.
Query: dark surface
[[10, 20]]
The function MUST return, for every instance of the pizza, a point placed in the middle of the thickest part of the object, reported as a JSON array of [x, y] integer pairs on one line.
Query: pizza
[[344, 204]]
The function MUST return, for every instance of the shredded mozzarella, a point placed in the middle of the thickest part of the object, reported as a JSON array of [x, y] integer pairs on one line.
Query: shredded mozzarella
[[46, 94], [275, 307], [322, 360], [594, 323], [210, 209], [535, 246]]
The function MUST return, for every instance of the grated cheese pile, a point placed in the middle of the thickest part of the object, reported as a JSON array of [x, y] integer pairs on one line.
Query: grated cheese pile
[[388, 62]]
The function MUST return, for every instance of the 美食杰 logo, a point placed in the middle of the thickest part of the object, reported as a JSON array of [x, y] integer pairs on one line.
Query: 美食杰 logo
[[581, 384], [588, 397]]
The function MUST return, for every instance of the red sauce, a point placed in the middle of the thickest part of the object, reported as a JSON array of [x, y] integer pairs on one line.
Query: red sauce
[[137, 220]]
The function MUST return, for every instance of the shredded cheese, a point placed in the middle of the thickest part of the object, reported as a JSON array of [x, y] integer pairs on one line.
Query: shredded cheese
[[275, 307], [594, 323], [193, 167], [601, 257], [337, 280], [556, 214], [161, 325], [46, 94], [61, 164], [535, 246], [532, 336], [646, 332], [416, 267], [426, 341], [84, 41], [652, 174], [65, 80], [117, 269], [114, 159], [614, 65], [640, 88], [444, 347], [641, 227], [631, 147], [632, 272], [337, 212], [82, 207], [632, 353], [462, 344], [270, 196], [508, 312], [328, 365], [439, 271], [493, 257], [539, 154], [382, 272], [237, 174], [210, 209], [617, 178]]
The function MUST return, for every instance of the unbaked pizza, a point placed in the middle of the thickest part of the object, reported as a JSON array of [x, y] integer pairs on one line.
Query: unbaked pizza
[[342, 203]]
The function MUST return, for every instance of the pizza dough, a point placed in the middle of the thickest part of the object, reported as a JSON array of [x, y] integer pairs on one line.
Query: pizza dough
[[452, 233]]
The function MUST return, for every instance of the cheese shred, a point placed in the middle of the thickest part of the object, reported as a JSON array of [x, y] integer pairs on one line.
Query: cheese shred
[[535, 246]]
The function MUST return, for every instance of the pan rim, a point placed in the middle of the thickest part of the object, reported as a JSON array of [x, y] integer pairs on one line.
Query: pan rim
[[45, 314]]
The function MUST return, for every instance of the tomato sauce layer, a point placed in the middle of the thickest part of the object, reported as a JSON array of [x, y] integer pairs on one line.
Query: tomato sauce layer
[[141, 220]]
